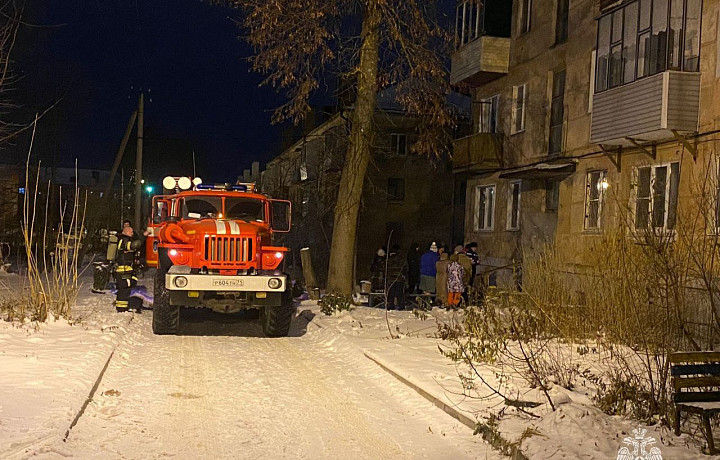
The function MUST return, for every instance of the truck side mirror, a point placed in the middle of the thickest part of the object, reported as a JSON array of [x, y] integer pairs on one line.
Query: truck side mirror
[[280, 215]]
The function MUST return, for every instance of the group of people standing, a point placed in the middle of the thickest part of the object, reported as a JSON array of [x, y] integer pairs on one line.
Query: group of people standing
[[448, 276]]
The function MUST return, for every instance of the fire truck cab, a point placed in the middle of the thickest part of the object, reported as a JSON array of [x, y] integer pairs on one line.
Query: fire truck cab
[[215, 250]]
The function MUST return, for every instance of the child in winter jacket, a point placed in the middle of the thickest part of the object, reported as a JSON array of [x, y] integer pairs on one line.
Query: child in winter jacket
[[455, 286]]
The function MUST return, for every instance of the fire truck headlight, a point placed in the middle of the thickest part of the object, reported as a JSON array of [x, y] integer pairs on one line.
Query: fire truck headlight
[[180, 281], [173, 252], [169, 182], [184, 183], [278, 255], [274, 283]]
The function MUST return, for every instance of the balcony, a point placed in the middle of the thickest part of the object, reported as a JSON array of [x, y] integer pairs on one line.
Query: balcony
[[480, 61], [477, 152], [647, 110]]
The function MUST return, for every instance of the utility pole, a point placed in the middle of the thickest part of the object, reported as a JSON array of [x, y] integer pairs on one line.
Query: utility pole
[[138, 165], [118, 157]]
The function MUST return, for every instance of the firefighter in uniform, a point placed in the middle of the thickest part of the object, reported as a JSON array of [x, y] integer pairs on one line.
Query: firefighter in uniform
[[125, 277]]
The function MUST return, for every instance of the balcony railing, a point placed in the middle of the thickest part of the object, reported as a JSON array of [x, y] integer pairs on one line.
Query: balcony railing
[[480, 61], [477, 152], [647, 110]]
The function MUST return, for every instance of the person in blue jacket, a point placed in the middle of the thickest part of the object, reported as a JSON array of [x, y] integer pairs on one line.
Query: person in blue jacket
[[427, 269]]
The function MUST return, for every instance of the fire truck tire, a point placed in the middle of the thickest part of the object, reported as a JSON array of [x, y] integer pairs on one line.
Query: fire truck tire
[[166, 317], [276, 321]]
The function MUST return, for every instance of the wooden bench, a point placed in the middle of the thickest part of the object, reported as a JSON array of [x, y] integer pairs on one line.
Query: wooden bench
[[696, 384]]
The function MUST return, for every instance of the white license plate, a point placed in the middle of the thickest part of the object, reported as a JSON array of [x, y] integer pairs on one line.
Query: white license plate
[[227, 283]]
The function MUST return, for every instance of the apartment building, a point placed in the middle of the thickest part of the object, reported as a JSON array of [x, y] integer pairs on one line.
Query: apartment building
[[406, 198], [588, 115]]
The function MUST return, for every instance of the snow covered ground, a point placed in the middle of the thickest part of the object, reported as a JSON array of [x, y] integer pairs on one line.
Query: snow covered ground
[[338, 388]]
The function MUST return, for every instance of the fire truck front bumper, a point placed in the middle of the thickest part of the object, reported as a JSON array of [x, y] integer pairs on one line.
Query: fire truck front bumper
[[178, 279]]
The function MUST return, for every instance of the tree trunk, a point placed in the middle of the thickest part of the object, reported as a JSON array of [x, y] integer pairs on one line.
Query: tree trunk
[[342, 251]]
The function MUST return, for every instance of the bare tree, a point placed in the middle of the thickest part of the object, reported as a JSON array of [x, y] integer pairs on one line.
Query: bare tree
[[400, 45]]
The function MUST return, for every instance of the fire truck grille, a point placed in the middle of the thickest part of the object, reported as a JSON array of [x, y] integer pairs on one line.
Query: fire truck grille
[[228, 249]]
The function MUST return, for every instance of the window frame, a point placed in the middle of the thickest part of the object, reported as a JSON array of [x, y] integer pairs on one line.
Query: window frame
[[492, 127], [395, 144], [525, 17], [398, 197], [644, 41], [488, 218], [557, 100], [562, 18], [600, 200], [512, 209], [652, 198], [522, 108], [476, 10]]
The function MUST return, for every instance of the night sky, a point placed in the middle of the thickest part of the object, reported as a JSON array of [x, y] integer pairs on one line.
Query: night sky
[[94, 56]]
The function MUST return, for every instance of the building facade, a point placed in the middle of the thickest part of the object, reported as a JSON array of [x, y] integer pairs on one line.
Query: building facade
[[604, 115], [406, 198]]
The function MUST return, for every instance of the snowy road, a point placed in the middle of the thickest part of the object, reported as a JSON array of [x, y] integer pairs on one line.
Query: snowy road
[[222, 390]]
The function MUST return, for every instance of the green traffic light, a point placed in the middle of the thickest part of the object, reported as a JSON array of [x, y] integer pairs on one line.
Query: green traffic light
[[149, 189]]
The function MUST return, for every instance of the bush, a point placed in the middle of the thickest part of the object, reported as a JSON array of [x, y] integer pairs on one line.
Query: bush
[[332, 303]]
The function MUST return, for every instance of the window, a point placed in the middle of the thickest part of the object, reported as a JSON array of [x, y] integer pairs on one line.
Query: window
[[21, 190], [561, 21], [595, 185], [552, 195], [398, 144], [469, 21], [489, 114], [485, 206], [396, 189], [244, 209], [656, 196], [518, 109], [557, 112], [646, 37], [525, 16], [303, 171], [201, 207], [513, 206]]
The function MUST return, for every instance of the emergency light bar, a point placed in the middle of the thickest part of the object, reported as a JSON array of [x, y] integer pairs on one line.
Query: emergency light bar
[[181, 183], [236, 188]]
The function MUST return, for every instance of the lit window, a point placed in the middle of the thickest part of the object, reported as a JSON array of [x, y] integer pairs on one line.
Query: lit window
[[21, 190], [656, 196], [485, 205], [595, 184]]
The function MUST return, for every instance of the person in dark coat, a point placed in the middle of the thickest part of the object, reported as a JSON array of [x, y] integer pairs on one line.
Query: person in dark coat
[[125, 277], [377, 270], [413, 263], [397, 270], [471, 252]]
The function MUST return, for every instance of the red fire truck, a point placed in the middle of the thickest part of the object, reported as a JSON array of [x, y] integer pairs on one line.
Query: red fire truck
[[214, 250]]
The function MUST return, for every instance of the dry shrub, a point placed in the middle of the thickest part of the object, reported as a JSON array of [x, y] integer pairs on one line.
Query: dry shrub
[[52, 260]]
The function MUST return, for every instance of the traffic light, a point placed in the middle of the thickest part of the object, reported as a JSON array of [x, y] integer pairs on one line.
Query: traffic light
[[149, 189]]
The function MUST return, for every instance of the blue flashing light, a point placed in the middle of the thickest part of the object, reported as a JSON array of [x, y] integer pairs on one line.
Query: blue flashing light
[[240, 188], [204, 187]]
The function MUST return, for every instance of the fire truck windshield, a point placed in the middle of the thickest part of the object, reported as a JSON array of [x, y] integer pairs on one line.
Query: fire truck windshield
[[247, 209], [201, 207]]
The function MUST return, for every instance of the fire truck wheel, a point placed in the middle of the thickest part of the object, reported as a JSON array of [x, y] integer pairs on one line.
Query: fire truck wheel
[[276, 321], [166, 317]]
